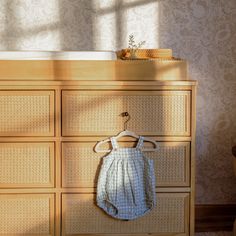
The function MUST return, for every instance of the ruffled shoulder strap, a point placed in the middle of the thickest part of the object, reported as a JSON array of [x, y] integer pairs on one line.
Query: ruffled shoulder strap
[[140, 142], [114, 143]]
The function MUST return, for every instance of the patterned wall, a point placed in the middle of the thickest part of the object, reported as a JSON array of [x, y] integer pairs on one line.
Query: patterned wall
[[201, 31]]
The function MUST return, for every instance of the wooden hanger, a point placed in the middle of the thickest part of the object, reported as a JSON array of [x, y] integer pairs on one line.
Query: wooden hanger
[[123, 133]]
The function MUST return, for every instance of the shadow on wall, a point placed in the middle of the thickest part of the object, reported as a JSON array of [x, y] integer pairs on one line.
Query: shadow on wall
[[76, 25], [193, 30]]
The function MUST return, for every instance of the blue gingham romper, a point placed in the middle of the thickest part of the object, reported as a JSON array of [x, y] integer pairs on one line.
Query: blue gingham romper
[[126, 182]]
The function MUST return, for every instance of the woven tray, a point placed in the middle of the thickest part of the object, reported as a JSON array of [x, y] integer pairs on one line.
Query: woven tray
[[145, 54]]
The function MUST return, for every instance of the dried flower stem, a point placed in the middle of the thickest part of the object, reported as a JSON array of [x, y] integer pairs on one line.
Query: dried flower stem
[[133, 47]]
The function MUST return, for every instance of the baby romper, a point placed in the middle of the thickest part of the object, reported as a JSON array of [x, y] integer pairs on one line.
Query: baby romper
[[126, 182]]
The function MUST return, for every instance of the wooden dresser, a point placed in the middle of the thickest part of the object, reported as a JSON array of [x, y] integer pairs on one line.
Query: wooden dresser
[[52, 113]]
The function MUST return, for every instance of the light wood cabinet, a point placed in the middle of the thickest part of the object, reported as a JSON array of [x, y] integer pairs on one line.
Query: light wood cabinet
[[48, 169]]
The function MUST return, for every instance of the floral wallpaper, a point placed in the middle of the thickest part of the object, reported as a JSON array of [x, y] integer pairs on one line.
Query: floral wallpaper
[[201, 31]]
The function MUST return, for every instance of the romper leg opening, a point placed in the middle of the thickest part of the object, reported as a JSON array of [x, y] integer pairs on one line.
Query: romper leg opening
[[111, 207]]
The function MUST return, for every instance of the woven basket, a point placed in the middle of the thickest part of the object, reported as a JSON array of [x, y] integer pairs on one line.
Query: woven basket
[[146, 54]]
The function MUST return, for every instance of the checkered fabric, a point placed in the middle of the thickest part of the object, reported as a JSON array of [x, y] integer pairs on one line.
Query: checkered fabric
[[126, 183]]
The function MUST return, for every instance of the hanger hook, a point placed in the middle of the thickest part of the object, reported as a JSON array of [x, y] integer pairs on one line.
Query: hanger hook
[[124, 114]]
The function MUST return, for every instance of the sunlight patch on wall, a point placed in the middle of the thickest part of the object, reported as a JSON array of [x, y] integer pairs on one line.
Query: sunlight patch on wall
[[142, 22], [30, 27], [104, 24], [46, 40], [43, 14], [104, 4], [116, 20], [40, 25]]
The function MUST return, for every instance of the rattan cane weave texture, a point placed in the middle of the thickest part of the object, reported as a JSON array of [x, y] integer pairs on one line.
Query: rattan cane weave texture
[[81, 164], [171, 163], [81, 215], [25, 113], [25, 214], [162, 113], [25, 163]]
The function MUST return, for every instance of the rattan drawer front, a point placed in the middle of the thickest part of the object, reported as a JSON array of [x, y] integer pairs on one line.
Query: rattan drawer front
[[26, 113], [26, 165], [172, 163], [81, 216], [27, 214], [152, 112], [81, 165]]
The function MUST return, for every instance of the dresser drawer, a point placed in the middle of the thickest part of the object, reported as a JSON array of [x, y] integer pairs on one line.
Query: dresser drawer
[[26, 214], [152, 112], [26, 165], [82, 216], [81, 165], [26, 113]]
